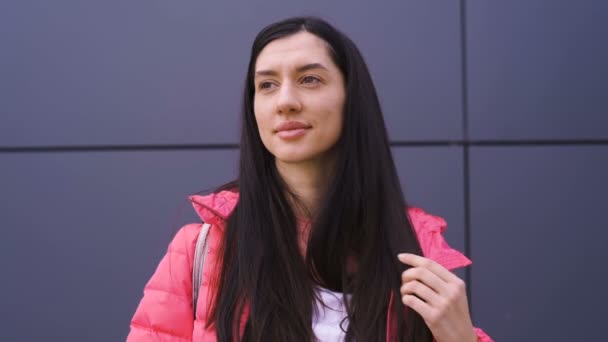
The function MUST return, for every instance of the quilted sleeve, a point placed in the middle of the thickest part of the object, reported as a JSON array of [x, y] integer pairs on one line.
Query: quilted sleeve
[[165, 311]]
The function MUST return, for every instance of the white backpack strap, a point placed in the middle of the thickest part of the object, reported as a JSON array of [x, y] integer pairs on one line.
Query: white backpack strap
[[199, 263]]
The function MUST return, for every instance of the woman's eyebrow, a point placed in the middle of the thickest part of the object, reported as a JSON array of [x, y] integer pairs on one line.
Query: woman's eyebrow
[[302, 68], [311, 66]]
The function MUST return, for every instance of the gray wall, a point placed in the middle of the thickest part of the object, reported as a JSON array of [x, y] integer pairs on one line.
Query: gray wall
[[112, 112]]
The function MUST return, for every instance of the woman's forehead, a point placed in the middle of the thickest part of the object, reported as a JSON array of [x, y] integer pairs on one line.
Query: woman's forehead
[[294, 51]]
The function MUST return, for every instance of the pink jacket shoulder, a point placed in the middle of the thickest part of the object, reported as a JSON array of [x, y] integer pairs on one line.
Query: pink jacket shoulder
[[165, 311], [429, 229]]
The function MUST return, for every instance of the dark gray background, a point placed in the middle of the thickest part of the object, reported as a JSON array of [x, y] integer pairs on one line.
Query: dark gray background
[[112, 112]]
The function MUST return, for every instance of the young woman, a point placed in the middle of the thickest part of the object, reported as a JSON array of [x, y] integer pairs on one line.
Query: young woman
[[314, 241]]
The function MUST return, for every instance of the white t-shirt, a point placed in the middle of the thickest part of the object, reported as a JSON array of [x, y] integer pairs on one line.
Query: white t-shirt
[[329, 322]]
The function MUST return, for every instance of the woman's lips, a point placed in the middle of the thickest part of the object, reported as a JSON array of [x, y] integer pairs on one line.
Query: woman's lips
[[292, 133], [292, 129]]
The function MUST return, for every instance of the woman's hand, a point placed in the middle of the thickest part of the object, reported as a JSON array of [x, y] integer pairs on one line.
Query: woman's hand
[[439, 296]]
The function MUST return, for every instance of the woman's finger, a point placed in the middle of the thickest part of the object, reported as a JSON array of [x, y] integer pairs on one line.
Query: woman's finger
[[418, 261], [418, 305], [426, 277], [421, 291]]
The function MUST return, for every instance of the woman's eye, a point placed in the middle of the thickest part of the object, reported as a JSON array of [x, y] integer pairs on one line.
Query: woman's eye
[[310, 80], [265, 85]]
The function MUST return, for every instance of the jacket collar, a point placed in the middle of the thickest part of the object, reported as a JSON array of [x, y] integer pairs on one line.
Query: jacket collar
[[215, 207]]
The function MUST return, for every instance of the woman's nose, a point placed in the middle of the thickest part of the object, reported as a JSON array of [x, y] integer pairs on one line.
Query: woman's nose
[[288, 101]]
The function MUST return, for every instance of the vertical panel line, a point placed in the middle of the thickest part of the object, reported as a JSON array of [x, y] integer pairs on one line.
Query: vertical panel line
[[465, 132]]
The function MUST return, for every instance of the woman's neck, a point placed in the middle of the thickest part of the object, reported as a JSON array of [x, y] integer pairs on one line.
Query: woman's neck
[[308, 180]]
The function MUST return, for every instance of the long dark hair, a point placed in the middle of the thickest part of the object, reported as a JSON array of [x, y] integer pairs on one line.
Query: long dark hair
[[361, 220]]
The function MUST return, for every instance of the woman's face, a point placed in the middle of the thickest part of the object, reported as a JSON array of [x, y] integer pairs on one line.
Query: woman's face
[[299, 98]]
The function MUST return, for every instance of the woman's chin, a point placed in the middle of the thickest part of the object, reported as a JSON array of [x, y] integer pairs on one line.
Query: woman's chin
[[291, 159]]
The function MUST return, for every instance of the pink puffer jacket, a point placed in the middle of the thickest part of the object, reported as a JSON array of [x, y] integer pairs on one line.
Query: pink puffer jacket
[[165, 311]]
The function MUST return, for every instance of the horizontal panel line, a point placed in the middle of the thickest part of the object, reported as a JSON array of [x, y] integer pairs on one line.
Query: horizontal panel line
[[115, 148], [111, 148], [575, 142], [552, 142]]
